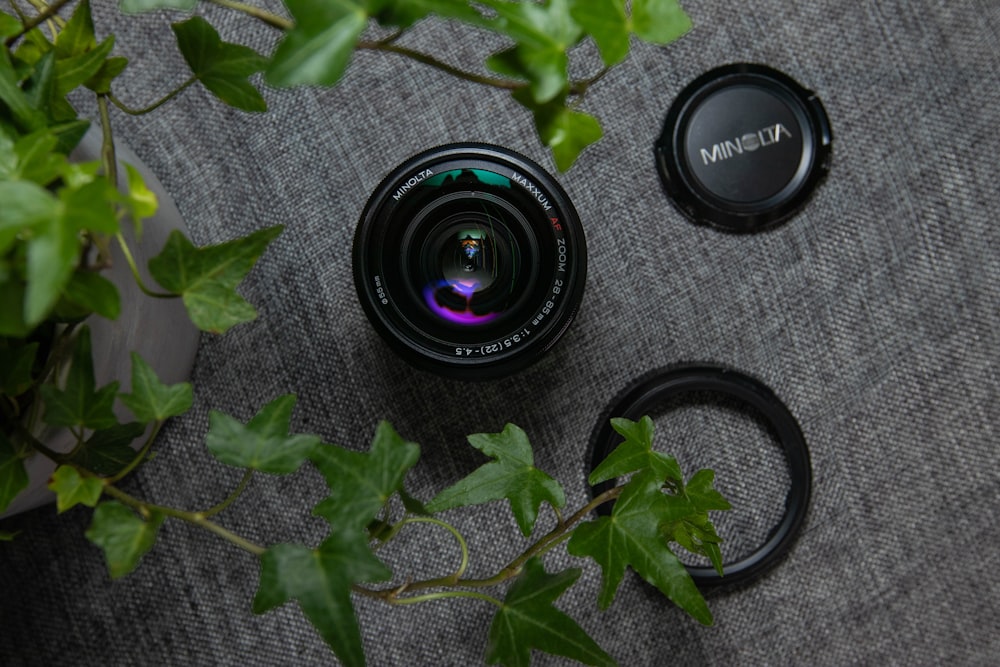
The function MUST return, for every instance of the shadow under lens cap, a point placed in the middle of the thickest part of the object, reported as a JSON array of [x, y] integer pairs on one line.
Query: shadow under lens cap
[[743, 146]]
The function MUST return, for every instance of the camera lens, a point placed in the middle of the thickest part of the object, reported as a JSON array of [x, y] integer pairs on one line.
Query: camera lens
[[469, 260]]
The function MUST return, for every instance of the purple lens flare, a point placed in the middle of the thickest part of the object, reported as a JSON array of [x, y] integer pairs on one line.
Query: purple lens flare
[[464, 289]]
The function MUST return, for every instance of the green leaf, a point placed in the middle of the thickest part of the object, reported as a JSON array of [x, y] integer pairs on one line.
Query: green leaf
[[88, 207], [404, 13], [636, 453], [138, 6], [9, 26], [80, 403], [320, 580], [74, 71], [687, 521], [151, 400], [16, 367], [264, 443], [77, 36], [53, 253], [141, 200], [93, 293], [317, 50], [222, 67], [512, 475], [565, 131], [207, 277], [124, 537], [100, 82], [8, 536], [25, 114], [13, 476], [529, 620], [108, 451], [361, 483], [25, 205], [35, 158], [543, 34], [72, 488], [632, 536], [608, 24], [659, 21], [12, 310]]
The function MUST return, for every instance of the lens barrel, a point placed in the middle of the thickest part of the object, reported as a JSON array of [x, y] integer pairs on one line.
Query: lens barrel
[[470, 261]]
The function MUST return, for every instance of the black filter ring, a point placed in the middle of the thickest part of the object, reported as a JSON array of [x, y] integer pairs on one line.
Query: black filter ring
[[648, 391]]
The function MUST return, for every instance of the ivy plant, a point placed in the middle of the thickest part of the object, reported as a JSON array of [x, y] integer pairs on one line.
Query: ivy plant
[[60, 220]]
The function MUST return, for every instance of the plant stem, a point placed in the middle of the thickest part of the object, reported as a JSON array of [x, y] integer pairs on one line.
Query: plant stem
[[429, 597], [231, 498], [135, 271], [547, 542], [263, 15], [45, 13], [196, 518], [140, 456], [557, 535], [108, 159], [383, 45], [464, 563], [29, 438], [155, 105]]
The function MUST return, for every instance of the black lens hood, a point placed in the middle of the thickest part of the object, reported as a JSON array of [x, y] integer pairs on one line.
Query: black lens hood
[[650, 390]]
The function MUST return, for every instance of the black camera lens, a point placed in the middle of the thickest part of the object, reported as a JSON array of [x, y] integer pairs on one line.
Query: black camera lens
[[470, 261]]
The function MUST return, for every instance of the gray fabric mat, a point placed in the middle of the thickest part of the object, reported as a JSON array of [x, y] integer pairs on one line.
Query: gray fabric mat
[[873, 315]]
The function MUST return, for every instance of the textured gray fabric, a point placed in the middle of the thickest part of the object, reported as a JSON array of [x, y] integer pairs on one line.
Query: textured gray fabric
[[873, 315]]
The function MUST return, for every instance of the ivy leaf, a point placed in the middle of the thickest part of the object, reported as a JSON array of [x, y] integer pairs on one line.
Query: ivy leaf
[[124, 537], [25, 205], [320, 580], [659, 21], [404, 13], [636, 453], [13, 477], [77, 36], [9, 26], [138, 6], [151, 400], [565, 131], [264, 444], [317, 50], [25, 114], [529, 620], [207, 277], [87, 207], [687, 521], [74, 71], [53, 251], [7, 536], [72, 488], [141, 201], [80, 404], [607, 23], [543, 34], [16, 365], [361, 483], [512, 475], [100, 82], [632, 536], [222, 67], [109, 450], [93, 293]]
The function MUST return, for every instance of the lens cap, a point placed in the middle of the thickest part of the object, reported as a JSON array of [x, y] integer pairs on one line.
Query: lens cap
[[743, 146]]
